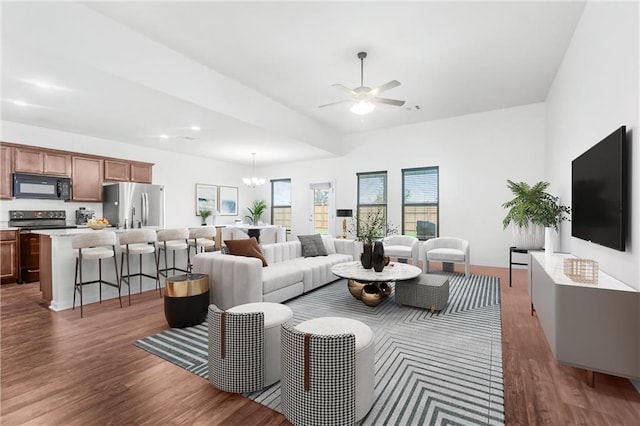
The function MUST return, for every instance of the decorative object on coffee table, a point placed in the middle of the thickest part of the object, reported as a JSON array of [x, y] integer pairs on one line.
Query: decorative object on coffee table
[[355, 288], [371, 295], [366, 256], [377, 259]]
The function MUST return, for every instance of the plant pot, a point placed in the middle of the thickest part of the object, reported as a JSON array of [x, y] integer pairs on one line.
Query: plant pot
[[365, 257], [377, 258], [529, 237]]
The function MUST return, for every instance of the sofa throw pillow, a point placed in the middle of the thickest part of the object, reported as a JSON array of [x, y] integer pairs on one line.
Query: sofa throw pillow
[[312, 245], [328, 244], [247, 248]]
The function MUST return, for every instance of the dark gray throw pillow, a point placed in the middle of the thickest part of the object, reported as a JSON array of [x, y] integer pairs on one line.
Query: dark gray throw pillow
[[312, 245]]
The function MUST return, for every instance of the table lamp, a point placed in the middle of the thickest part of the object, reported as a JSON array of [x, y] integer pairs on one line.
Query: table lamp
[[344, 213]]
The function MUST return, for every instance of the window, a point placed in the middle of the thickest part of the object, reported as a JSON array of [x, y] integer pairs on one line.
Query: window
[[372, 196], [420, 202], [281, 202]]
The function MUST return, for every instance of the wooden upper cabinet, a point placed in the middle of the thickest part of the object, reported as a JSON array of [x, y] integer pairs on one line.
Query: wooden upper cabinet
[[27, 160], [6, 169], [41, 162], [87, 178], [115, 170], [57, 164], [141, 172]]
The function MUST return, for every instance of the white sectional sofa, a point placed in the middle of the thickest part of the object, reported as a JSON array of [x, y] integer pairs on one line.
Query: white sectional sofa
[[235, 280]]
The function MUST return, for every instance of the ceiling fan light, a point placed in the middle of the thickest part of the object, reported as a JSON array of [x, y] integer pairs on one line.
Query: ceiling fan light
[[363, 107]]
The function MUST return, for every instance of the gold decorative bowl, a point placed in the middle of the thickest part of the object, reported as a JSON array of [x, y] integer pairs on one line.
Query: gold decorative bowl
[[355, 288], [385, 289], [371, 295], [97, 226]]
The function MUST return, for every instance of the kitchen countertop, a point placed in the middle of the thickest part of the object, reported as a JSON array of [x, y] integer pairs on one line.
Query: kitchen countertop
[[70, 232], [8, 228]]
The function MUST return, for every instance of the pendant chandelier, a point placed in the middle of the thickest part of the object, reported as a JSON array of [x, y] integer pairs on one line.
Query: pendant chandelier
[[254, 181]]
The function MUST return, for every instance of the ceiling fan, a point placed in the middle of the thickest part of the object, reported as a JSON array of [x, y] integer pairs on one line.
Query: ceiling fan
[[365, 97]]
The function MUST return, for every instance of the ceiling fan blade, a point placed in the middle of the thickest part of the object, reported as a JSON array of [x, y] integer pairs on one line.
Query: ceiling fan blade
[[390, 85], [387, 101], [344, 89], [335, 103]]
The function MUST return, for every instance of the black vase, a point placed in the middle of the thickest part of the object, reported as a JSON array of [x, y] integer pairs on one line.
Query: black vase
[[365, 257], [377, 258]]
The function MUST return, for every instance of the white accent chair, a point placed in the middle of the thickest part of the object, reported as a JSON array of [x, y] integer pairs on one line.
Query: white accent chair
[[402, 247], [446, 249]]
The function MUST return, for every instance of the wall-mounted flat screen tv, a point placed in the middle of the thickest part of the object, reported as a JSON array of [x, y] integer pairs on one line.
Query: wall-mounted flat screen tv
[[598, 192]]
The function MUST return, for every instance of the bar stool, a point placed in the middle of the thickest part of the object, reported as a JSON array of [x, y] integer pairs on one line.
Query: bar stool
[[201, 238], [92, 246], [172, 240], [139, 241]]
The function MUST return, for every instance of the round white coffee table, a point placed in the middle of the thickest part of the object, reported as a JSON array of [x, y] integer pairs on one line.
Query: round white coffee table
[[371, 286]]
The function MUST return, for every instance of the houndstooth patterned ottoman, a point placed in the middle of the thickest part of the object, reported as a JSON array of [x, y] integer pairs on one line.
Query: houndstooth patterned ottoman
[[427, 291]]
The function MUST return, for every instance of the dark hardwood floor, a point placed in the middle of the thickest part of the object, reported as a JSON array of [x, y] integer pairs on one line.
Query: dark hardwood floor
[[59, 369]]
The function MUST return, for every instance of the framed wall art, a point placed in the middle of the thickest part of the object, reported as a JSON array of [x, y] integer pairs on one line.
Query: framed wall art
[[228, 201], [206, 198]]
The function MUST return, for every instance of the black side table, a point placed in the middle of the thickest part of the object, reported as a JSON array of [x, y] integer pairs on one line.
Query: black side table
[[186, 300], [512, 250]]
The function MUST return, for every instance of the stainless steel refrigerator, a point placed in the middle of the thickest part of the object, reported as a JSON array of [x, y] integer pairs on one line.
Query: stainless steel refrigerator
[[133, 204]]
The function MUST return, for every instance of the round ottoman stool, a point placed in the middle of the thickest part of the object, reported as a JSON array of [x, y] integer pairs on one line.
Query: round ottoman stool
[[365, 354], [275, 314]]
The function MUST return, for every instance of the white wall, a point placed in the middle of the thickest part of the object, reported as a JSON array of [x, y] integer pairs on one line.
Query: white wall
[[594, 93], [476, 154], [177, 172]]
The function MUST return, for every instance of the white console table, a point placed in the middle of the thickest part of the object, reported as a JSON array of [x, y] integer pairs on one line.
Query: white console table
[[590, 326]]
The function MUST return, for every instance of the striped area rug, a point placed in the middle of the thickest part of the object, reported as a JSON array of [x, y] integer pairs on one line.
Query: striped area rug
[[440, 368]]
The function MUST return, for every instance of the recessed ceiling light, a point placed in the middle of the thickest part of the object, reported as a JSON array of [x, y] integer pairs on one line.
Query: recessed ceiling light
[[43, 84], [195, 128], [164, 136], [20, 103]]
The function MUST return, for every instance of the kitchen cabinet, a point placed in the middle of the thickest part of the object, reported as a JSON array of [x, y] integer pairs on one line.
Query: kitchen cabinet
[[56, 164], [28, 160], [41, 162], [86, 179], [8, 256], [141, 172], [116, 170], [6, 169]]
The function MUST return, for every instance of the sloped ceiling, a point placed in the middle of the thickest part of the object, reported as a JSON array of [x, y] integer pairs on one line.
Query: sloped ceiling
[[251, 75]]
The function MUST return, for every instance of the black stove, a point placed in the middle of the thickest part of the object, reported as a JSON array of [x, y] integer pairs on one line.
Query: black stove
[[28, 220], [38, 219]]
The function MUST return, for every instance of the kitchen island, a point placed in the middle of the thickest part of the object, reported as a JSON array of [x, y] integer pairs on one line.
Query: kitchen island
[[57, 269]]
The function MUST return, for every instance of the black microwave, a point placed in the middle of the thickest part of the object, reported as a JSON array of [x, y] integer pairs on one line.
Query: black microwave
[[41, 187]]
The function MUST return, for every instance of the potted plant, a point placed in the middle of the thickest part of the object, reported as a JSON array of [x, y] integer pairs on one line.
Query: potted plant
[[204, 214], [372, 227], [256, 210], [530, 212]]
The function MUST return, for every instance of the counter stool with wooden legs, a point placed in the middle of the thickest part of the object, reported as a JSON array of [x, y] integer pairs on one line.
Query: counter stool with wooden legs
[[172, 240], [138, 241], [201, 239], [96, 245]]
